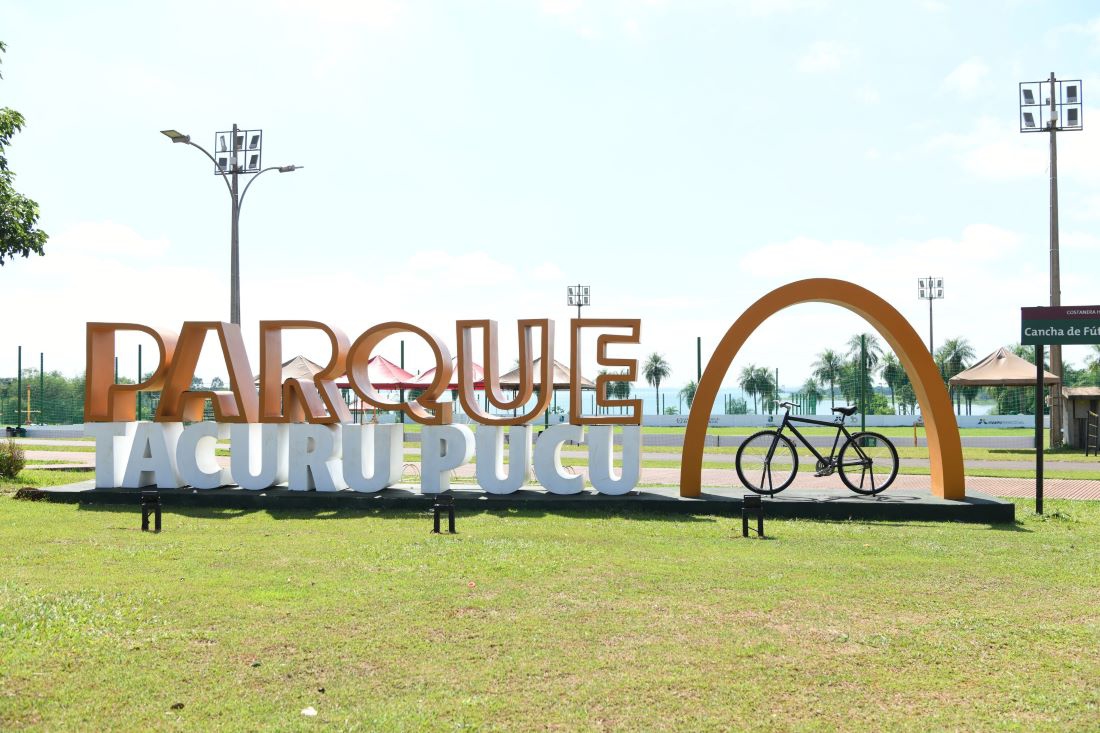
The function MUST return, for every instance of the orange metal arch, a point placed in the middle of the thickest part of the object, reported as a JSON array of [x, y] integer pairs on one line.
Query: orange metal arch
[[944, 444]]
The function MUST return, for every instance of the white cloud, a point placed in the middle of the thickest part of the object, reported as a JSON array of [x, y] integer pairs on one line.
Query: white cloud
[[1089, 28], [867, 95], [996, 149], [967, 77], [560, 7], [101, 238], [825, 56], [969, 260], [1083, 241], [762, 8], [374, 14]]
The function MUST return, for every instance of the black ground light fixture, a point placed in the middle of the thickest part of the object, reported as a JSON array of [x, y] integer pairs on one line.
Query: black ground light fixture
[[444, 503], [752, 504], [150, 504]]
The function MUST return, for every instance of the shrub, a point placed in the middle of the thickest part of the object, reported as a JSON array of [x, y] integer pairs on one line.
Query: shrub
[[12, 460]]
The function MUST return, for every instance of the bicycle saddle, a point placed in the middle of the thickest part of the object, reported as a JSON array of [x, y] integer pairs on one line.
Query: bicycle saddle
[[846, 411]]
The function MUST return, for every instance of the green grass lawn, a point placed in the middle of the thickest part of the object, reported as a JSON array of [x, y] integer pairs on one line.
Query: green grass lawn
[[525, 620]]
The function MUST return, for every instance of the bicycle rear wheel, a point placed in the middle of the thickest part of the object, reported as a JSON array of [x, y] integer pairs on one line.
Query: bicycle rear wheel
[[767, 462], [868, 463]]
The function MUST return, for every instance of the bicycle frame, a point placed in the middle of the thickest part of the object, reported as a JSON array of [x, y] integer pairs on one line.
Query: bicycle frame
[[841, 429]]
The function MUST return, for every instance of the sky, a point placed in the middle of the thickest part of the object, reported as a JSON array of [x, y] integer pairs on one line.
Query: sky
[[472, 159]]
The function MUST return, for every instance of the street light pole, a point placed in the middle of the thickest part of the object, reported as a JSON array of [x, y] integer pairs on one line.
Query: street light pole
[[229, 166], [1059, 106], [1055, 271], [235, 243]]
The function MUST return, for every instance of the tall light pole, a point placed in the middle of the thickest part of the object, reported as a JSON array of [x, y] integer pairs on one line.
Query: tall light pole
[[1053, 106], [238, 152], [930, 288], [580, 296]]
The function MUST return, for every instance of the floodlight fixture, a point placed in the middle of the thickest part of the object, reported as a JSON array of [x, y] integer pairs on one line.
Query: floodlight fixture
[[578, 295], [1055, 112], [176, 136], [930, 288]]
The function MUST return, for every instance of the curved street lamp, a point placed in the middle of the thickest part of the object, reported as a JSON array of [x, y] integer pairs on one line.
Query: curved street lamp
[[240, 156]]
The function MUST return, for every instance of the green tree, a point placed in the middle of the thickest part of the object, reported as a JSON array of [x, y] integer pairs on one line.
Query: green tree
[[655, 370], [812, 392], [620, 390], [953, 358], [767, 387], [1092, 364], [827, 369], [736, 406], [18, 214], [688, 392], [892, 373], [747, 382], [870, 345], [757, 381]]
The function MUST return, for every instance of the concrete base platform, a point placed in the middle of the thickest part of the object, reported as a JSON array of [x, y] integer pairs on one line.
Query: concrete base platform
[[894, 505]]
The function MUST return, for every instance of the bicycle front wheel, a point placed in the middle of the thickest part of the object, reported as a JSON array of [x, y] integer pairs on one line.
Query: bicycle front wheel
[[767, 462], [868, 463]]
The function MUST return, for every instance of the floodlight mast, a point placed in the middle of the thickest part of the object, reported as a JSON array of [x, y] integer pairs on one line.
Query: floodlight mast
[[1073, 99], [578, 295], [231, 165], [930, 288]]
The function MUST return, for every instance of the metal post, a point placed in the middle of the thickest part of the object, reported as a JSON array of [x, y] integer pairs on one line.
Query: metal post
[[930, 340], [1055, 272], [1039, 429], [19, 389], [139, 382], [235, 267], [698, 359], [41, 387], [401, 414], [862, 381]]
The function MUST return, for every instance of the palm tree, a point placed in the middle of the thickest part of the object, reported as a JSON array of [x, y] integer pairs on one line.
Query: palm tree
[[620, 390], [952, 358], [871, 346], [688, 392], [827, 369], [656, 369], [747, 382], [766, 386], [812, 393], [868, 345], [892, 374]]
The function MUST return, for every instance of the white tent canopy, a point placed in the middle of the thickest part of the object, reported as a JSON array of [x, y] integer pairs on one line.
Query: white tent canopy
[[1002, 368]]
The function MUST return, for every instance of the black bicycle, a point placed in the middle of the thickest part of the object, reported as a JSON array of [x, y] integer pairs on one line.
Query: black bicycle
[[767, 461]]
